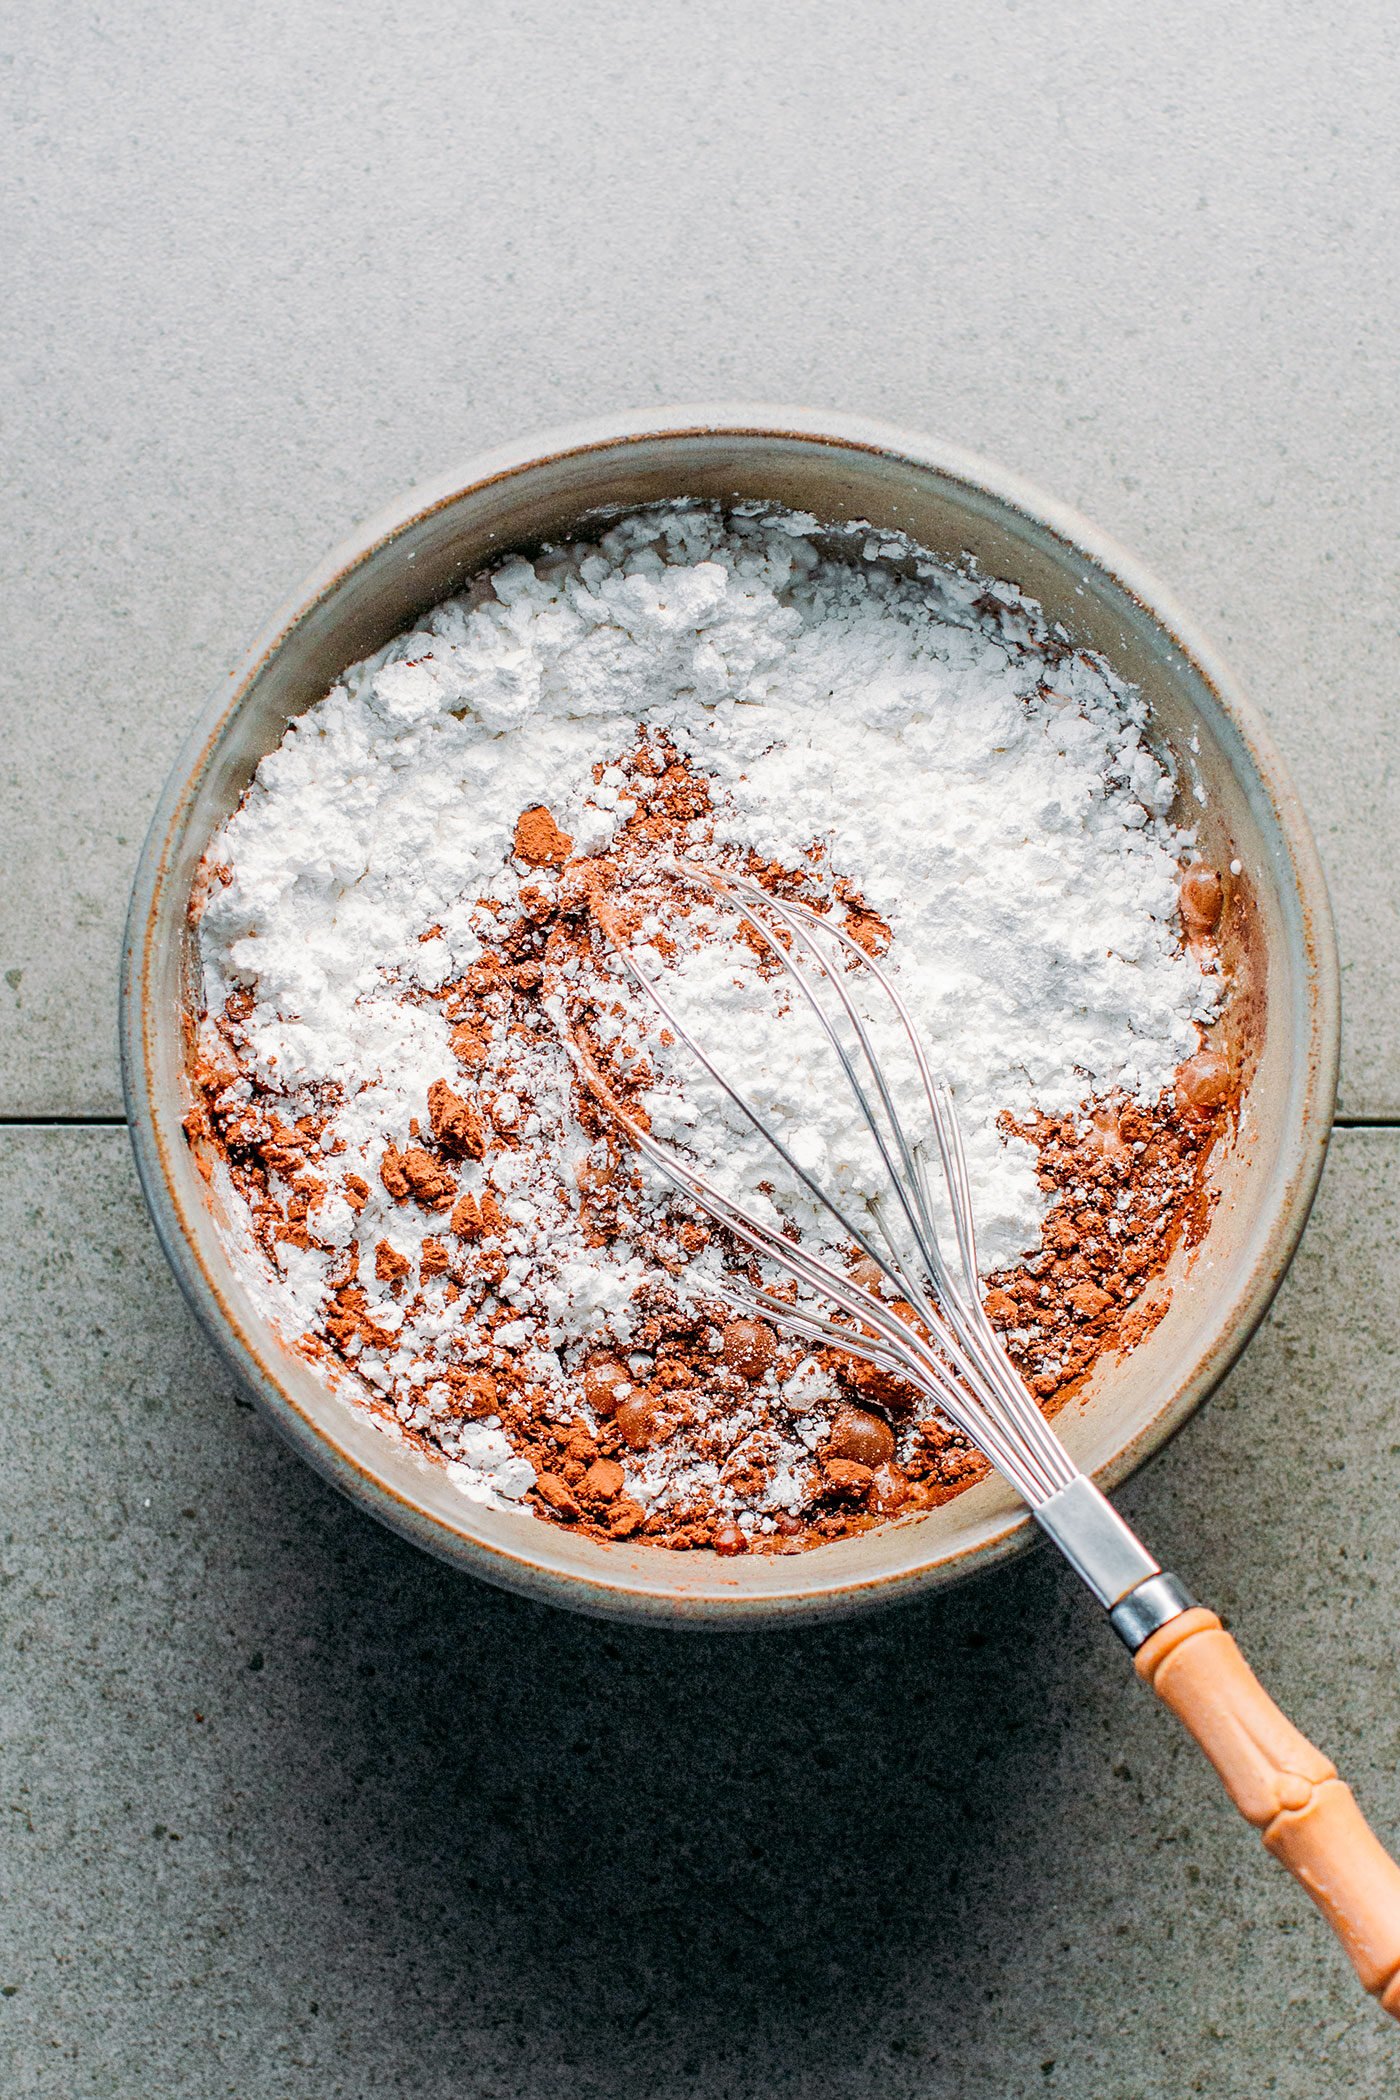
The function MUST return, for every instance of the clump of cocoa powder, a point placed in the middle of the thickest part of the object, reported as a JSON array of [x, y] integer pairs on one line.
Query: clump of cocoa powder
[[1129, 1186]]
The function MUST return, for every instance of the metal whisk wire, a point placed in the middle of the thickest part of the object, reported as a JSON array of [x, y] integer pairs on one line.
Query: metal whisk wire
[[958, 1361], [962, 1307]]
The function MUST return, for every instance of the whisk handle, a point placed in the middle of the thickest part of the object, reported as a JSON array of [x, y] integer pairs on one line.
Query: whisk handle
[[1306, 1816]]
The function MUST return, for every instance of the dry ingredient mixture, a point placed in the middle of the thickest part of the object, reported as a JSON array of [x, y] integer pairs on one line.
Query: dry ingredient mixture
[[404, 915]]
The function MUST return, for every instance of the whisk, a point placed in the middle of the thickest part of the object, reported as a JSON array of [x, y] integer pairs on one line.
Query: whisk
[[951, 1353]]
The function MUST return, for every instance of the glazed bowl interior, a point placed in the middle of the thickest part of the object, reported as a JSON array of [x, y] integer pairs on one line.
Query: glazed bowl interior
[[1232, 789]]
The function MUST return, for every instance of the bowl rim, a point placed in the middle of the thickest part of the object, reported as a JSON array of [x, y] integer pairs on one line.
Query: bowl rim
[[1304, 1145]]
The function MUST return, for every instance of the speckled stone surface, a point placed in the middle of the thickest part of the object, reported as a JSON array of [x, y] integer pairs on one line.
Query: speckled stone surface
[[292, 1811], [270, 268]]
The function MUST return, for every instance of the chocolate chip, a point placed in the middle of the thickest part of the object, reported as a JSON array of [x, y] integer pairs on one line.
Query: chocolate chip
[[749, 1347], [1202, 898], [889, 1488], [854, 1434], [637, 1422], [729, 1539], [601, 1377], [1204, 1080], [1106, 1139]]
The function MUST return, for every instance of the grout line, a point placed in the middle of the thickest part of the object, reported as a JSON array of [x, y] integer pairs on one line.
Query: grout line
[[74, 1122]]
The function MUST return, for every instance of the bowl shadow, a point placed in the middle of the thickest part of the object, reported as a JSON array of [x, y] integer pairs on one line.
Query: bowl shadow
[[651, 1861]]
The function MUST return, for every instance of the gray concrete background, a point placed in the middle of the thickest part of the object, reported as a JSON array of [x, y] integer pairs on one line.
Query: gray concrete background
[[290, 1810]]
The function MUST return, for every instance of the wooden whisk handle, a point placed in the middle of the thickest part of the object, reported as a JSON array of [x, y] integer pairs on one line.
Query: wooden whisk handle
[[1286, 1788]]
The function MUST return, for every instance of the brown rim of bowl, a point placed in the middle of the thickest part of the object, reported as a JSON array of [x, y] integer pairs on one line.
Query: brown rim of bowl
[[155, 1128]]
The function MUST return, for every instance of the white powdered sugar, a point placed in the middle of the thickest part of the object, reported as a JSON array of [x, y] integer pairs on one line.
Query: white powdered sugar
[[987, 791]]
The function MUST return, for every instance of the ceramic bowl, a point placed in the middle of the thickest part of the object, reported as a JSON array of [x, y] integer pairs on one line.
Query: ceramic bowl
[[1235, 789]]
